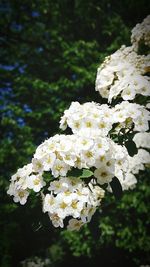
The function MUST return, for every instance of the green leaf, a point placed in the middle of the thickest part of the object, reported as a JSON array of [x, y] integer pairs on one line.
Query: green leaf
[[84, 173], [131, 147], [116, 188]]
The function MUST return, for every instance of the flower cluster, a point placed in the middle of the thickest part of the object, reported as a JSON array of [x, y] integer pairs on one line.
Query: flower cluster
[[135, 164], [70, 197], [123, 74], [59, 154], [127, 113], [71, 171], [22, 181], [36, 262], [91, 119], [141, 32]]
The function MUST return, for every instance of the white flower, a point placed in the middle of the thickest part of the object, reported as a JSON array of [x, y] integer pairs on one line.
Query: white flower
[[87, 213], [84, 143], [119, 153], [97, 194], [120, 116], [37, 165], [89, 157], [23, 172], [62, 207], [60, 168], [90, 212], [110, 165], [101, 145], [135, 164], [50, 145], [56, 220], [75, 125], [100, 161], [64, 145], [40, 151], [74, 224], [104, 126], [21, 196], [148, 106], [49, 203], [141, 125], [67, 196], [80, 162], [12, 188], [103, 175], [143, 155], [133, 111], [121, 164], [128, 182], [105, 78], [35, 182], [128, 93], [142, 139], [69, 158], [48, 161], [58, 186]]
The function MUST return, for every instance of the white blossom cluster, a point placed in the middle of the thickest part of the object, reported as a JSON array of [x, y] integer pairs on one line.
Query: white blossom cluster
[[141, 32], [136, 163], [91, 119], [22, 181], [123, 74], [142, 158], [59, 154], [126, 113], [36, 262], [71, 199], [70, 196]]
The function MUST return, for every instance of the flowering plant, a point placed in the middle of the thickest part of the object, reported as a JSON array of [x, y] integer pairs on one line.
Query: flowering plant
[[108, 146]]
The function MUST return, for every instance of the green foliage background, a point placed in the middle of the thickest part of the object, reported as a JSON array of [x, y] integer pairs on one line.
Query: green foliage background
[[50, 52]]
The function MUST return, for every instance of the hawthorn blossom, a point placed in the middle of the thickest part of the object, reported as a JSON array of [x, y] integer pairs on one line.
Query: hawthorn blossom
[[71, 199], [141, 32], [123, 73], [93, 150]]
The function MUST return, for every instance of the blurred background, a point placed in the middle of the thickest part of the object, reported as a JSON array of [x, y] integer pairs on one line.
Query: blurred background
[[50, 51]]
